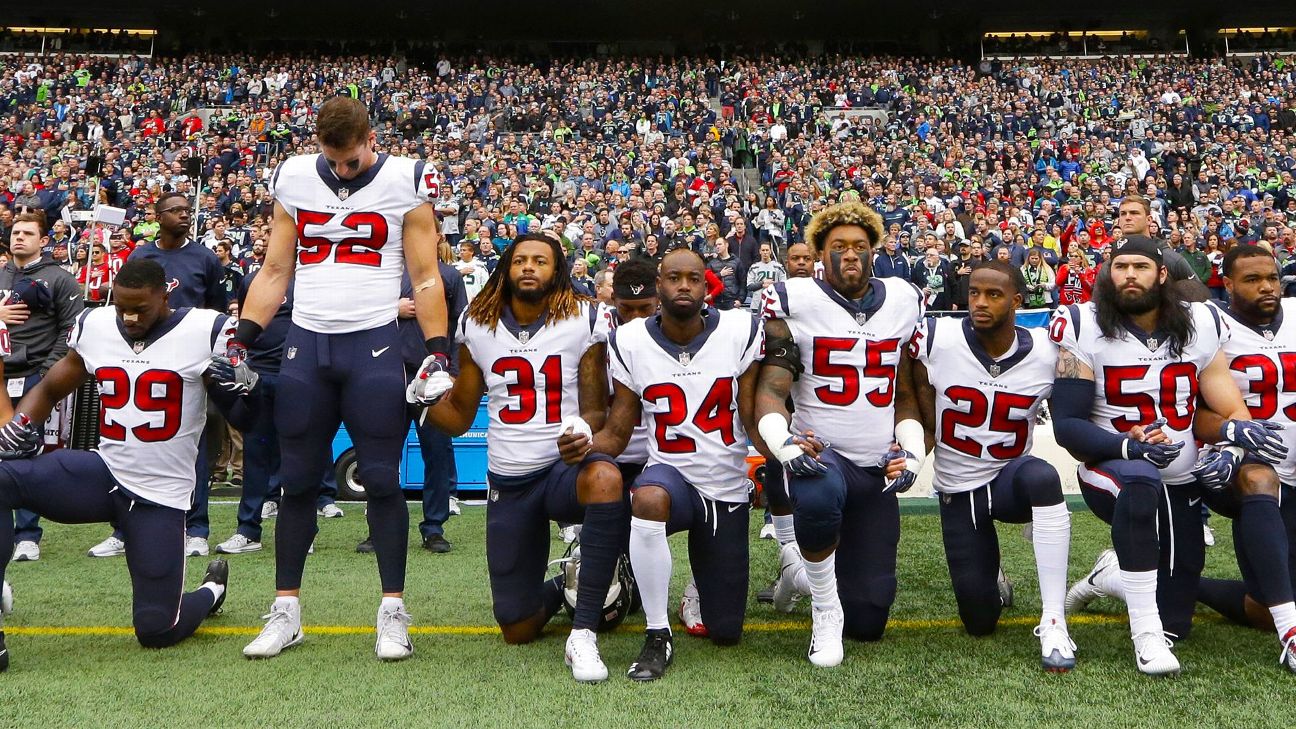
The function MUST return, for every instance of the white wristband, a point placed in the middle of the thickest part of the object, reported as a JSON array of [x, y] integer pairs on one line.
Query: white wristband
[[909, 435], [775, 431]]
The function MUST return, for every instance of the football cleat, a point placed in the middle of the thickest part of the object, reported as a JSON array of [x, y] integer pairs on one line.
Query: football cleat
[[790, 564], [767, 531], [282, 631], [1005, 589], [657, 654], [437, 544], [6, 599], [1288, 657], [826, 649], [329, 511], [1208, 535], [26, 551], [690, 613], [582, 655], [364, 547], [569, 533], [1057, 650], [217, 572], [1087, 590], [765, 595], [196, 547], [269, 510], [110, 547], [393, 642], [1152, 654], [454, 507], [4, 650], [238, 544]]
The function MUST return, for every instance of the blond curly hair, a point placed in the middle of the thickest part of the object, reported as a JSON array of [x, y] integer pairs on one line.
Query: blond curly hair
[[846, 213]]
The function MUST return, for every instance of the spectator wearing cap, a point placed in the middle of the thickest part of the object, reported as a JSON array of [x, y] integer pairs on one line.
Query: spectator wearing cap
[[41, 302], [932, 275]]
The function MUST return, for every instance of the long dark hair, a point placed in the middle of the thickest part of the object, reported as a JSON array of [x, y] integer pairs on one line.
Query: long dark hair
[[1173, 315], [564, 303]]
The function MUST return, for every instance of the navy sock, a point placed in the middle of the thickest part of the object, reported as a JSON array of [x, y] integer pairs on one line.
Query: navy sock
[[601, 540], [1226, 597], [294, 533], [1263, 537], [551, 597], [389, 527]]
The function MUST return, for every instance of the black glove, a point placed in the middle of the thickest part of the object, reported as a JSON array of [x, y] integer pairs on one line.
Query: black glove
[[19, 438]]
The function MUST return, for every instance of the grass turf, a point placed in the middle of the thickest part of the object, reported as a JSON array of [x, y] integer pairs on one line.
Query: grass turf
[[925, 671]]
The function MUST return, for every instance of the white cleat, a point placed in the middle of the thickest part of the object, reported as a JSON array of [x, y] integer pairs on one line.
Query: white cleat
[[282, 630], [1208, 535], [690, 611], [826, 649], [1152, 654], [330, 511], [454, 507], [196, 547], [767, 531], [1057, 650], [1005, 589], [110, 547], [269, 510], [26, 551], [790, 565], [238, 544], [1288, 657], [1087, 590], [583, 656], [393, 642], [6, 599], [568, 533]]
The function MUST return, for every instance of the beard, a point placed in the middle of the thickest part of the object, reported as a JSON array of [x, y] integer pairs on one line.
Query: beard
[[1140, 303], [533, 296]]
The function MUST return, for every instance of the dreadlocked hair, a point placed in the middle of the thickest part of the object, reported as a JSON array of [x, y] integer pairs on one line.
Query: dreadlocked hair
[[845, 213], [563, 301]]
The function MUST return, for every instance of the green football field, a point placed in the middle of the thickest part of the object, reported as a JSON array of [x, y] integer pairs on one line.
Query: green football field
[[76, 663]]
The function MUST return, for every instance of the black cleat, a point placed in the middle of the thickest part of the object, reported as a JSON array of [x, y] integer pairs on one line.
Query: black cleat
[[658, 652], [218, 572], [765, 596], [437, 543], [365, 547]]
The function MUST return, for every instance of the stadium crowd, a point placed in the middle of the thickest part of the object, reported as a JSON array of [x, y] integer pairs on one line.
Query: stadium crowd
[[633, 156]]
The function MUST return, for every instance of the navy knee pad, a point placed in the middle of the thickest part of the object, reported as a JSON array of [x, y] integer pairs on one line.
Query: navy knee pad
[[1041, 481], [817, 510]]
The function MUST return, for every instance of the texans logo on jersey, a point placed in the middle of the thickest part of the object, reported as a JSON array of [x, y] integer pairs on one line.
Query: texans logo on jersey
[[172, 285]]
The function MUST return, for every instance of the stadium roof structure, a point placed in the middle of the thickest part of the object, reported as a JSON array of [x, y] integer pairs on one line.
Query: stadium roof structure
[[680, 21]]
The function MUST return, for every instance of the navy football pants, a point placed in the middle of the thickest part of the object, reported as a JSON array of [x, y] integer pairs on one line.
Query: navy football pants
[[75, 487]]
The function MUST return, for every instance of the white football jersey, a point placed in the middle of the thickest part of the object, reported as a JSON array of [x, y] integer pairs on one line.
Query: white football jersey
[[636, 451], [350, 251], [985, 407], [153, 402], [850, 352], [1137, 380], [531, 383], [690, 395], [1262, 361]]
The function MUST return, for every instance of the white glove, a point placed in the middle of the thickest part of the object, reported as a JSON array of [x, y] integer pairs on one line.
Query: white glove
[[577, 426], [431, 383]]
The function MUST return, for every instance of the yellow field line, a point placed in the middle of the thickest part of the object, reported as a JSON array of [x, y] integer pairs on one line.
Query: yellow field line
[[761, 627]]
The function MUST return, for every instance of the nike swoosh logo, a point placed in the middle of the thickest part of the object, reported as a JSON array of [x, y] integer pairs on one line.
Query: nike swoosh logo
[[735, 507], [378, 352], [1143, 662], [72, 297]]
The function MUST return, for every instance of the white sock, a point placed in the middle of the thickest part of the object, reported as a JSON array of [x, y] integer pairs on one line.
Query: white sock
[[1284, 616], [650, 557], [392, 602], [800, 580], [1052, 542], [289, 603], [783, 530], [1140, 597], [1111, 583], [822, 577], [216, 589]]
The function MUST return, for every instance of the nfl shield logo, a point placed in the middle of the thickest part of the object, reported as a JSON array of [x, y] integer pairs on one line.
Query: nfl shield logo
[[138, 347], [343, 193], [994, 370], [292, 353], [685, 358], [1268, 334], [524, 337], [860, 318], [1152, 344]]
